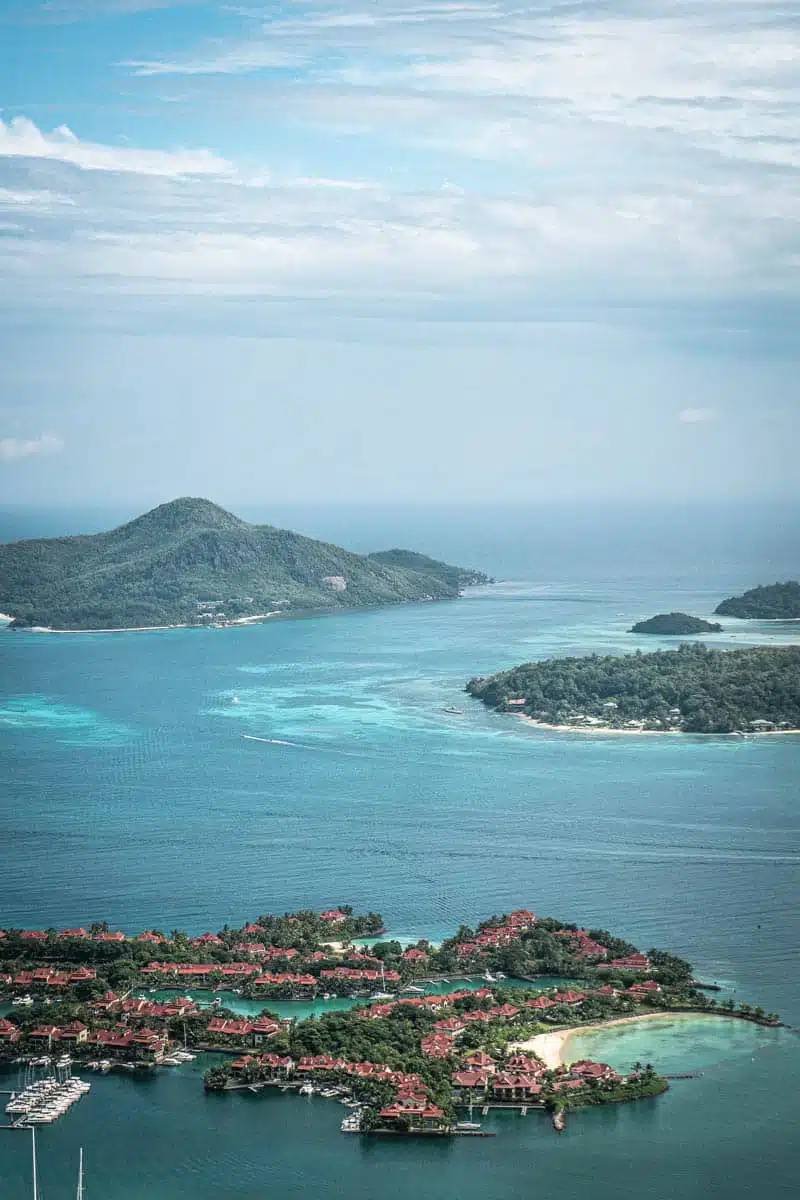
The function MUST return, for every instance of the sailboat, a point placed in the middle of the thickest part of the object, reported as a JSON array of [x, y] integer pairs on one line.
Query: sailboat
[[383, 995], [35, 1176]]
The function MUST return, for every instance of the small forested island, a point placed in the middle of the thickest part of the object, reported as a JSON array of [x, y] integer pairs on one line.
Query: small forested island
[[688, 690], [406, 1056], [772, 602], [190, 562], [675, 624]]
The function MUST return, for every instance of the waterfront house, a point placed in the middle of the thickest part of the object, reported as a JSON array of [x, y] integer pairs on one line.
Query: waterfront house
[[68, 935], [586, 1069], [527, 1063], [276, 1064], [110, 937], [333, 916], [263, 1029], [228, 1031], [149, 1046], [631, 962], [541, 1003], [112, 1043], [45, 1033], [508, 1085], [253, 929], [568, 1085], [75, 1032], [154, 939], [9, 1032], [414, 955], [206, 939], [413, 1112], [252, 949], [571, 999], [33, 935], [521, 918], [472, 1081]]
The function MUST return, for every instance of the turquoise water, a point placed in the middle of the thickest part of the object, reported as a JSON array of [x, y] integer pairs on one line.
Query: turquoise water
[[132, 794]]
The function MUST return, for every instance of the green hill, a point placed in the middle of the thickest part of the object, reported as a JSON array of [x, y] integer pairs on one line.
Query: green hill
[[192, 562], [774, 602], [675, 624]]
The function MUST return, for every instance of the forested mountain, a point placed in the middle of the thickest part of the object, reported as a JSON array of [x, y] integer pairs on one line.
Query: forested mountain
[[190, 561], [675, 624], [773, 602], [692, 689]]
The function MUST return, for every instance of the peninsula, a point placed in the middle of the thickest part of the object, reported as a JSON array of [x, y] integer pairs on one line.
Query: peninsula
[[406, 1059], [688, 690], [190, 562], [675, 624], [774, 602]]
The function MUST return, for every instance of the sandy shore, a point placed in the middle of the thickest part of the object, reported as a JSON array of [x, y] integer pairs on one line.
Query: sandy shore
[[613, 729], [552, 1048], [254, 620]]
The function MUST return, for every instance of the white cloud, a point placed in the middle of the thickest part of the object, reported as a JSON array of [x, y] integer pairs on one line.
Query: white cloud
[[46, 443], [21, 138], [698, 416], [33, 201]]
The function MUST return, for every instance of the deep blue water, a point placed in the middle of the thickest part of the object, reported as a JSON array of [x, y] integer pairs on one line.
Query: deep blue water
[[132, 794]]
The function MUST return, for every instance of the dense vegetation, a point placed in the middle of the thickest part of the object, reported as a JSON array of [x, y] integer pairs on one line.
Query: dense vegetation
[[675, 624], [408, 560], [191, 562], [776, 601], [691, 689]]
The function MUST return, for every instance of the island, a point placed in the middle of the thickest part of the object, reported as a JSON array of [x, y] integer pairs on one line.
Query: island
[[773, 602], [420, 1034], [688, 690], [675, 624], [189, 562]]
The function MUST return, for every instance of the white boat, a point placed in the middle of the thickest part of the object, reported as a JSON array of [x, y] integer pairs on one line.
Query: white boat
[[487, 975], [105, 1065], [306, 1090], [411, 988], [381, 996], [25, 1001], [352, 1124], [467, 1125]]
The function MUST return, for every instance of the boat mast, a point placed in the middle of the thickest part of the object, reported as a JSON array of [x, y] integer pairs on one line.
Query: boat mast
[[80, 1176], [33, 1151]]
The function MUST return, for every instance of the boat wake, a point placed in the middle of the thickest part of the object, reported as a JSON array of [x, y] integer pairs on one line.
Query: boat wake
[[270, 741]]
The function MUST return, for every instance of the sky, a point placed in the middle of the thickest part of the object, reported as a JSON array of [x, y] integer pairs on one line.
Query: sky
[[399, 250]]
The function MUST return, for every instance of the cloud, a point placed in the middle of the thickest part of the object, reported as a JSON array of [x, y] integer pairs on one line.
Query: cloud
[[21, 138], [46, 443], [499, 156], [698, 416]]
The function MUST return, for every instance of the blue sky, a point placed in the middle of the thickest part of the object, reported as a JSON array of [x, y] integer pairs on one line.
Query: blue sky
[[398, 250]]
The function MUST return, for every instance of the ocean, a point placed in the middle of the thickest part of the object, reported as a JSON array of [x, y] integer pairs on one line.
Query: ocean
[[195, 777]]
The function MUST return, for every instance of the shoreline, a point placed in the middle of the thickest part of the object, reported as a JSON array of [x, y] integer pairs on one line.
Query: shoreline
[[552, 1047], [614, 729], [254, 620]]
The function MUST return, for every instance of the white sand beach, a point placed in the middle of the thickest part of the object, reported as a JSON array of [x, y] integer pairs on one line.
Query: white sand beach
[[553, 1050]]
